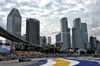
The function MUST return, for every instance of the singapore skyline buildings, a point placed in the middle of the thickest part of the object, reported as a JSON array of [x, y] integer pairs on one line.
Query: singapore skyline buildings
[[79, 38], [79, 31], [53, 24], [33, 31]]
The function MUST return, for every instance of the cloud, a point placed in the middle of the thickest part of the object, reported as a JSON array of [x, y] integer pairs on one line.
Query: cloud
[[94, 25], [49, 13], [42, 3]]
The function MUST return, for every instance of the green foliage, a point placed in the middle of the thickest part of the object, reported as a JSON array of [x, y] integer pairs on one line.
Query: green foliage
[[45, 50], [76, 49], [82, 52], [90, 51], [50, 50], [17, 49]]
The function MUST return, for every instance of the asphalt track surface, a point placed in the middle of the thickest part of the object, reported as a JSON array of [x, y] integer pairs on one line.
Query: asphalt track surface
[[17, 63], [54, 62]]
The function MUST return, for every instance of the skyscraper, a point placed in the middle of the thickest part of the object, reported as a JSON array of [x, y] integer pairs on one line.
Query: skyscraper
[[14, 22], [77, 34], [58, 38], [65, 34], [92, 42], [14, 25], [84, 34], [43, 41], [49, 40], [33, 31]]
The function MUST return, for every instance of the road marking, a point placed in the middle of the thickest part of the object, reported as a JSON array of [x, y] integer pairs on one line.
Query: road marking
[[60, 62], [50, 62], [72, 62]]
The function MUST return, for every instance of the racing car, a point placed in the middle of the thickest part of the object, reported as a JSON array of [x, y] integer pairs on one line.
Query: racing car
[[24, 59]]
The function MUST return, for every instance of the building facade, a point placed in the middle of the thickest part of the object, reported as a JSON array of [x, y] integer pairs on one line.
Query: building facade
[[84, 35], [14, 25], [14, 22], [98, 44], [43, 41], [65, 34], [94, 43], [49, 40], [33, 31], [77, 34], [23, 37], [58, 38]]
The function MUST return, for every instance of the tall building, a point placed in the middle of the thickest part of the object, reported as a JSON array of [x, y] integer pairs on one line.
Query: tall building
[[69, 41], [14, 25], [95, 45], [49, 40], [65, 34], [58, 38], [33, 31], [92, 42], [77, 34], [84, 34], [43, 41], [14, 22]]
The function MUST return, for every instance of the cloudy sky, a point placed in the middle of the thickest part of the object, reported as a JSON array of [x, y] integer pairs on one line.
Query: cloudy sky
[[49, 13]]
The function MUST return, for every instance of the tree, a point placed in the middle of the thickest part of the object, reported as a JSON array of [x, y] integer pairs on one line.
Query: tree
[[90, 51], [45, 50]]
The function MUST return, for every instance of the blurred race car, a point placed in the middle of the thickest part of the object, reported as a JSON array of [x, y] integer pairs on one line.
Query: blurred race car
[[24, 60]]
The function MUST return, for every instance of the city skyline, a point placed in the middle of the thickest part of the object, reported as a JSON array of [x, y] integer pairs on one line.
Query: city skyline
[[83, 9]]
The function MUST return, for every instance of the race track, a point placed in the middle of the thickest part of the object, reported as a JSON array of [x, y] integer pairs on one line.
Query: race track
[[54, 62], [66, 62]]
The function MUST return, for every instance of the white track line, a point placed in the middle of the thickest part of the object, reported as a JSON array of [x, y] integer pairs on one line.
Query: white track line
[[50, 62]]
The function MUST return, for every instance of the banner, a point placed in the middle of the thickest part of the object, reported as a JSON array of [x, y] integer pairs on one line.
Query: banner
[[4, 49]]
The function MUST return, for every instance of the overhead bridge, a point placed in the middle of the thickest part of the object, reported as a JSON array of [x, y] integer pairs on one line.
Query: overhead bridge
[[12, 37]]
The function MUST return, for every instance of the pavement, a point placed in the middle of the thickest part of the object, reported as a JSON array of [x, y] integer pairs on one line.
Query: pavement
[[66, 61]]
